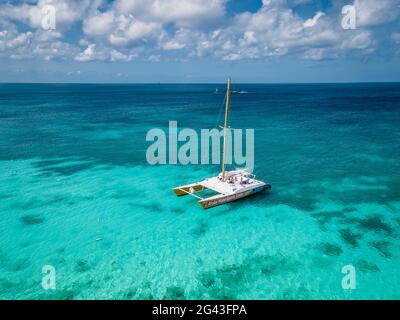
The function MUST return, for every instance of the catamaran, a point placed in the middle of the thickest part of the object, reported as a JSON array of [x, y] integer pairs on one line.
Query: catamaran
[[228, 185]]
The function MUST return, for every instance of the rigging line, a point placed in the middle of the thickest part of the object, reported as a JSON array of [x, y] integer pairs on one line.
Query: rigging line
[[221, 110]]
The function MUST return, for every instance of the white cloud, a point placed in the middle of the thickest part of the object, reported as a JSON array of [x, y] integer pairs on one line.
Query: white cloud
[[39, 43], [320, 54], [99, 24], [74, 73], [173, 45], [119, 56], [123, 29], [141, 30], [19, 40], [313, 21], [183, 13], [361, 40], [67, 11], [272, 31], [372, 12], [120, 30], [94, 52], [396, 37], [127, 22], [88, 54], [32, 44], [232, 57], [276, 30], [154, 58]]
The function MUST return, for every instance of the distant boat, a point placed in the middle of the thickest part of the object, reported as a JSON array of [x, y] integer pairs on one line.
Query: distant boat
[[239, 92], [229, 185], [216, 91]]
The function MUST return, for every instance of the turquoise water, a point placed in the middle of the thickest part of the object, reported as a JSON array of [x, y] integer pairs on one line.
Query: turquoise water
[[73, 170]]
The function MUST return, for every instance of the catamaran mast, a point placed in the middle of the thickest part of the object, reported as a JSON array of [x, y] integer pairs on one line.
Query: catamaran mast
[[226, 119]]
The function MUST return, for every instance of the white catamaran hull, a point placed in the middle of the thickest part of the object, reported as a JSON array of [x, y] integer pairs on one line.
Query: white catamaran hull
[[226, 191], [223, 199]]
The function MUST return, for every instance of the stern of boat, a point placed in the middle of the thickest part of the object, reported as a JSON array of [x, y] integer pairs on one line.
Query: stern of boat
[[187, 189]]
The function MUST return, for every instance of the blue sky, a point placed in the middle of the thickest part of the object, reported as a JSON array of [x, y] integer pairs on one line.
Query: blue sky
[[270, 41]]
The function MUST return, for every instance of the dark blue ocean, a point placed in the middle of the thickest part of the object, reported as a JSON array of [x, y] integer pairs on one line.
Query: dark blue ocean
[[77, 193]]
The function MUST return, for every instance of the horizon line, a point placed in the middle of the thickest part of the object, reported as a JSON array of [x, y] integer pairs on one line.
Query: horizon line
[[202, 83]]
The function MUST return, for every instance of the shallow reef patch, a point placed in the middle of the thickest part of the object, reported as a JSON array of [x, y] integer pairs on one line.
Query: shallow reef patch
[[350, 237], [207, 279], [366, 266], [374, 223], [31, 219], [178, 210], [330, 249], [200, 229], [324, 218], [383, 247], [154, 207], [233, 279], [63, 166], [174, 293], [82, 266], [301, 293], [303, 203]]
